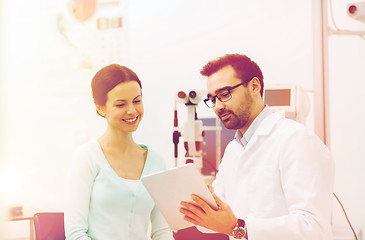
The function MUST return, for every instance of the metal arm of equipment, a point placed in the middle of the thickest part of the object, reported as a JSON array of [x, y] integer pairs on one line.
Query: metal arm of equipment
[[192, 131]]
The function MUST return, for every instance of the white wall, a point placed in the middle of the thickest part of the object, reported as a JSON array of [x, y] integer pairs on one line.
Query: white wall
[[2, 207], [347, 115], [49, 109], [169, 45]]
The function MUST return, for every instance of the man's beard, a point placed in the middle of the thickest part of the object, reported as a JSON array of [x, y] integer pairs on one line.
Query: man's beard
[[239, 118], [234, 121]]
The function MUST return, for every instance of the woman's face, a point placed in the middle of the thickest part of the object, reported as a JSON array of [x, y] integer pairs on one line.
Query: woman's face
[[123, 109]]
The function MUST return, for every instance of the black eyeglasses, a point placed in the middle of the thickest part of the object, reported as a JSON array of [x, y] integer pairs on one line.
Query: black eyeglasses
[[224, 95]]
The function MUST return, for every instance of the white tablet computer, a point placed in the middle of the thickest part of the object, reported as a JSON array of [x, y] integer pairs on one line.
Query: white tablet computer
[[170, 187]]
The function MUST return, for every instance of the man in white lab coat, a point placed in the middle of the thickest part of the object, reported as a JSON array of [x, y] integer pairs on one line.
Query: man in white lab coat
[[276, 178]]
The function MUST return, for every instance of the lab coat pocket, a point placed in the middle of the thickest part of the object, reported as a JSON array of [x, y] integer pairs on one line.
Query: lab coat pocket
[[260, 189]]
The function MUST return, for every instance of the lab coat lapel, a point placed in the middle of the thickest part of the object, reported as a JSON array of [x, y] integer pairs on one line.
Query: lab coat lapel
[[265, 127]]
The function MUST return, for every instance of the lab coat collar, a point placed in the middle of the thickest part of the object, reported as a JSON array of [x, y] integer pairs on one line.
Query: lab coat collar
[[265, 127], [255, 125], [269, 122], [254, 128]]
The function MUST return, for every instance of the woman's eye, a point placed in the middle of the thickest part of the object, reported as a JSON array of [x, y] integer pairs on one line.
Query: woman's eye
[[137, 101], [119, 105]]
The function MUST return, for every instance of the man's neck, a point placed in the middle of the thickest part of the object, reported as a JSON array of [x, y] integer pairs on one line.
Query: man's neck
[[254, 115]]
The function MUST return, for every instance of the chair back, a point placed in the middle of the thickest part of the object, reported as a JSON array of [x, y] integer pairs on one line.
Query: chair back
[[49, 226]]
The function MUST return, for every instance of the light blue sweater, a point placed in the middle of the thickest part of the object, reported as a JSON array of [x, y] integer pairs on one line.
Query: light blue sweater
[[99, 205]]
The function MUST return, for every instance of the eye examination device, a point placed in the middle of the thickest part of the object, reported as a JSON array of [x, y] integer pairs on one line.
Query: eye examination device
[[288, 98], [192, 130]]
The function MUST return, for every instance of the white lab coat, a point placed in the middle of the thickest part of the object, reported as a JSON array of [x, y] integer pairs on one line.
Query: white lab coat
[[281, 183]]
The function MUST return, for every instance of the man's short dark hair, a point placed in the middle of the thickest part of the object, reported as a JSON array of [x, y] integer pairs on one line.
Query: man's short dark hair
[[245, 68]]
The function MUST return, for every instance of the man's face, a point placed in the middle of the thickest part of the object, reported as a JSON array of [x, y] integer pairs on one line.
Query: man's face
[[236, 112]]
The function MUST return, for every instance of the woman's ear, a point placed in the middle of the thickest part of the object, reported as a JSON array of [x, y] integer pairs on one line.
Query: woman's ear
[[100, 110]]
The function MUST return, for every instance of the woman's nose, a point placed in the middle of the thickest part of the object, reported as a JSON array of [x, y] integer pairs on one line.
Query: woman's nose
[[131, 109]]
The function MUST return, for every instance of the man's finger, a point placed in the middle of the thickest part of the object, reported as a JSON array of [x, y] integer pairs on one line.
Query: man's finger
[[219, 202], [203, 204], [186, 218], [210, 187], [196, 209], [191, 216]]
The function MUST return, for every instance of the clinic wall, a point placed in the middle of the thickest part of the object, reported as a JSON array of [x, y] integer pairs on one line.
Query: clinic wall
[[168, 46], [49, 110], [2, 147], [346, 114], [346, 126]]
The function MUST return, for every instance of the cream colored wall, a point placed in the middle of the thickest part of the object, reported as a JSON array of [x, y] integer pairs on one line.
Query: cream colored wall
[[347, 117], [2, 147], [49, 110], [346, 114]]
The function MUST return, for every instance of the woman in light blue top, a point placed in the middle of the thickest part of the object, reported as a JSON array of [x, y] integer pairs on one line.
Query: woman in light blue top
[[105, 199]]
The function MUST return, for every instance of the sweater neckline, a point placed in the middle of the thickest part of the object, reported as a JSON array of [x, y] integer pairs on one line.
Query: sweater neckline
[[114, 174]]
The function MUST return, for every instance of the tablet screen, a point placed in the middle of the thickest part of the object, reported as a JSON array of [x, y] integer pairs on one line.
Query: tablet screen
[[170, 187]]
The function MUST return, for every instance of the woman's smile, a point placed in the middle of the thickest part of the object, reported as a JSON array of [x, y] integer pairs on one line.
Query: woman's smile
[[131, 121]]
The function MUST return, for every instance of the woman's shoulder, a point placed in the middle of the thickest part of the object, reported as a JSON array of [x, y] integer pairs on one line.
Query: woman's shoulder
[[87, 147], [154, 158], [87, 151], [85, 158]]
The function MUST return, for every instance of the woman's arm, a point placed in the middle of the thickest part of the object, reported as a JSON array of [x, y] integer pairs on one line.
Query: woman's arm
[[79, 183], [160, 229]]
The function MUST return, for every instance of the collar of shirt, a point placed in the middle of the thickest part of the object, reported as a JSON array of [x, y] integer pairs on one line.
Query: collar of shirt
[[245, 138]]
